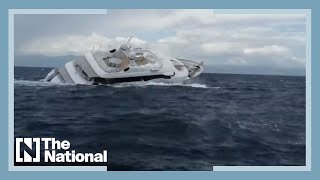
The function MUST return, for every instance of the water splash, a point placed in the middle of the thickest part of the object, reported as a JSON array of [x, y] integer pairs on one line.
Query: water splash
[[38, 83], [118, 85], [143, 84]]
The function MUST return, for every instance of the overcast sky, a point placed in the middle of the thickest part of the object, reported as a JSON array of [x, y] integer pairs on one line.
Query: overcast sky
[[249, 43]]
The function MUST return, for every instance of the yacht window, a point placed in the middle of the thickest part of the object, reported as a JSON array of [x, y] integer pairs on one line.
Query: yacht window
[[126, 69], [81, 71]]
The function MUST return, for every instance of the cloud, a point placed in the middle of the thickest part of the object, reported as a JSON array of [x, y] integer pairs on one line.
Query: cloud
[[173, 40], [220, 48], [267, 50], [161, 19], [260, 40], [73, 44], [266, 17], [275, 55]]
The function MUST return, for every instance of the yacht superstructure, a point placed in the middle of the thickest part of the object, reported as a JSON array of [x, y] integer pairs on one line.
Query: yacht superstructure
[[125, 64]]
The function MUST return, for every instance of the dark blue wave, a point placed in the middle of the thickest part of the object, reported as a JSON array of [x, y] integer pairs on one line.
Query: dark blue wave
[[218, 120]]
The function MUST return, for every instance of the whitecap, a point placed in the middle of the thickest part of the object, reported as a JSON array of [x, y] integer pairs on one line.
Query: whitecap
[[143, 84], [118, 85], [37, 83]]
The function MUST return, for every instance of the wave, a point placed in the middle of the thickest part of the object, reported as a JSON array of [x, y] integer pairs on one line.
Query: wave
[[38, 83], [143, 84], [118, 85]]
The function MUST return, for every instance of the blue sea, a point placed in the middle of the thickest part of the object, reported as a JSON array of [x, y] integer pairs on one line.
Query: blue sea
[[213, 120]]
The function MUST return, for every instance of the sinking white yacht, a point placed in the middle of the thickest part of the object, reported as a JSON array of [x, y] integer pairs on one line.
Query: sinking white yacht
[[125, 64]]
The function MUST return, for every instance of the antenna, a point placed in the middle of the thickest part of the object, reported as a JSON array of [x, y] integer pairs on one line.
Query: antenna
[[129, 42], [92, 49]]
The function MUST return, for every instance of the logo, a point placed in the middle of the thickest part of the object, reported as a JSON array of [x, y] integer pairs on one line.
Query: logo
[[50, 150]]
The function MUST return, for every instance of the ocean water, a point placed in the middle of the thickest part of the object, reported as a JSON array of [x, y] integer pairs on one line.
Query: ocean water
[[213, 120]]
